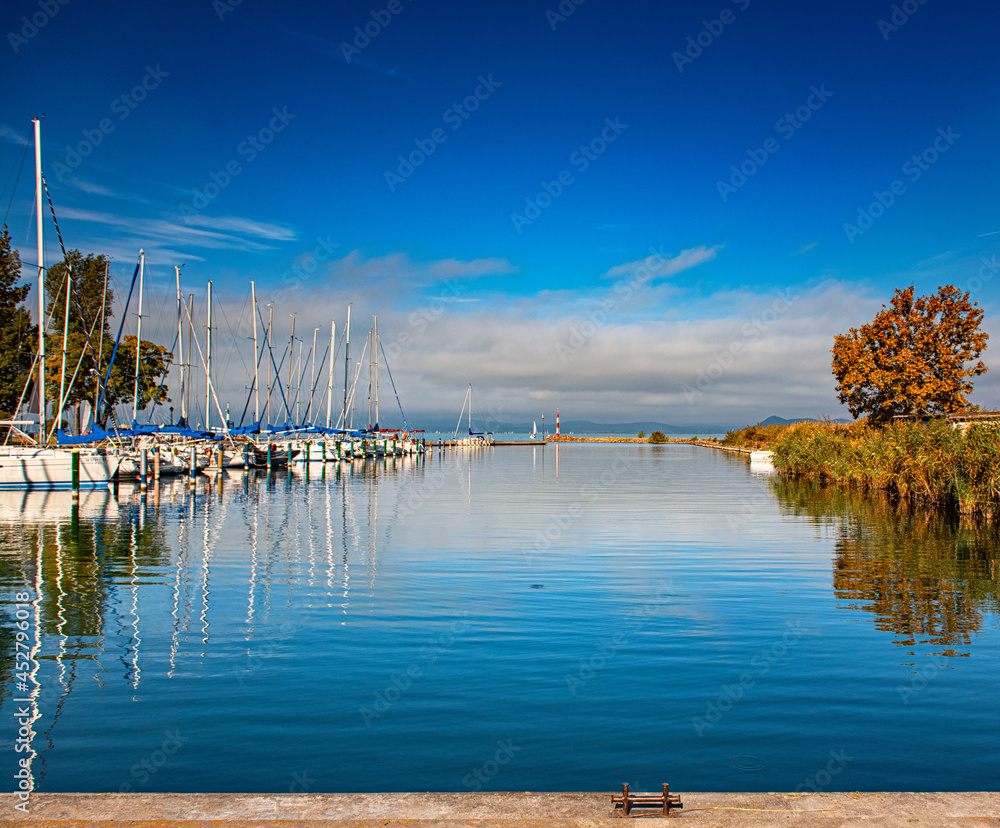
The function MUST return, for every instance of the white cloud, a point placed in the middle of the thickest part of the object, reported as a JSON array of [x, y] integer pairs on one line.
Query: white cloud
[[759, 353], [662, 268], [243, 226], [623, 369], [8, 133], [456, 269], [160, 234]]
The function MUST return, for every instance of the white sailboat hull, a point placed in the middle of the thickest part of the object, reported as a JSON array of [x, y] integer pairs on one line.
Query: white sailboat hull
[[52, 468]]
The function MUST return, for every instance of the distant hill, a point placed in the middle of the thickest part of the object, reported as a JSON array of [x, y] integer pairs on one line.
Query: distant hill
[[773, 420]]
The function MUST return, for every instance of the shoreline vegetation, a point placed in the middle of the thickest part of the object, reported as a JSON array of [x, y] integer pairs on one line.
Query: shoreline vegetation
[[932, 463]]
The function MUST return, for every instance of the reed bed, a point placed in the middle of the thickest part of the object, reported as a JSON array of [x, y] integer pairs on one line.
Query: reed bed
[[932, 463]]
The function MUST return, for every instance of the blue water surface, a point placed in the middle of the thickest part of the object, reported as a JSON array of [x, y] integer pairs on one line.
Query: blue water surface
[[522, 618]]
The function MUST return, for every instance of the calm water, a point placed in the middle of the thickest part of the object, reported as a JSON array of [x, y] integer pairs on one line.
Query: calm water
[[521, 618]]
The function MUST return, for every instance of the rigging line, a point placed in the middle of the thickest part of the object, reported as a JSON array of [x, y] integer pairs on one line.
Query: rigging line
[[69, 386], [260, 356], [73, 296], [55, 221], [163, 379], [385, 360], [298, 385], [319, 372], [114, 353], [232, 333], [27, 145], [277, 373]]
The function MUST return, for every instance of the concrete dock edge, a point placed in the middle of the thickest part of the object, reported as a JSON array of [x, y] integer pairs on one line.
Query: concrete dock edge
[[511, 809]]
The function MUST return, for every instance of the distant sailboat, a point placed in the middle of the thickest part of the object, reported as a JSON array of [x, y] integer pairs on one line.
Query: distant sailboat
[[534, 431]]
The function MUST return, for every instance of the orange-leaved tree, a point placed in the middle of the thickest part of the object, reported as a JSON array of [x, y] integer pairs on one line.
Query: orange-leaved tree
[[913, 358]]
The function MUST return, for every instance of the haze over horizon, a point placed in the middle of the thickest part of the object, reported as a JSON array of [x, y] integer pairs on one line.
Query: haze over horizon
[[634, 212]]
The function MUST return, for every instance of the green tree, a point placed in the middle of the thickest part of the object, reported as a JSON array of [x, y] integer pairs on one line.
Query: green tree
[[913, 358], [90, 315], [657, 437], [18, 337], [89, 304], [153, 364], [642, 435]]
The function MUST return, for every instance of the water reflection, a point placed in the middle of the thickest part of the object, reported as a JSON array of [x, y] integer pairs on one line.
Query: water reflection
[[91, 578], [923, 576]]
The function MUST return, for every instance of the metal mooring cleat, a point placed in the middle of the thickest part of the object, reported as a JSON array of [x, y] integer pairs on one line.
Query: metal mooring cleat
[[626, 803]]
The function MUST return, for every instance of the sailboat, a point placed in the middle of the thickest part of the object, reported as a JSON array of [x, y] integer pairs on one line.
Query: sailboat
[[40, 466], [534, 431]]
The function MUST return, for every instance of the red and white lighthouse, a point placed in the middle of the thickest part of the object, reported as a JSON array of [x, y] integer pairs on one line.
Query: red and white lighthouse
[[557, 422]]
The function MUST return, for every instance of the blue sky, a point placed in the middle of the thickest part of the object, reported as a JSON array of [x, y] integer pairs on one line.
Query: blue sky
[[627, 210]]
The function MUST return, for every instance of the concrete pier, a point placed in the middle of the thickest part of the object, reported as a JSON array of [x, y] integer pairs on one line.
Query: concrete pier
[[486, 810]]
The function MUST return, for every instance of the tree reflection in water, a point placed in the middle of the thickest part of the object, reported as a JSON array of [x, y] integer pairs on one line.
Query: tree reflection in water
[[926, 576]]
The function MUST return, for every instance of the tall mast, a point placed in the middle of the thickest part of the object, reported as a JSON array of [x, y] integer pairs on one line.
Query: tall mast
[[190, 309], [41, 281], [312, 376], [256, 358], [270, 325], [100, 346], [347, 362], [298, 381], [62, 371], [180, 338], [329, 382], [208, 364], [375, 352], [138, 340], [291, 360], [369, 383]]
